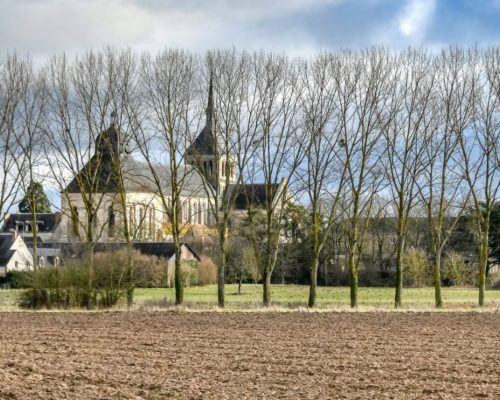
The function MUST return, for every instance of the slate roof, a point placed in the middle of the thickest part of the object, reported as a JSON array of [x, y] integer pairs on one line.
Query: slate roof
[[205, 143], [138, 178], [5, 251], [158, 249], [48, 222], [98, 174], [255, 195]]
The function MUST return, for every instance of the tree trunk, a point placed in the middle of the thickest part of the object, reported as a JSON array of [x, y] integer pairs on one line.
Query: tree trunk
[[483, 261], [399, 274], [178, 283], [437, 279], [266, 292], [313, 281], [221, 272], [89, 257], [354, 280], [130, 276]]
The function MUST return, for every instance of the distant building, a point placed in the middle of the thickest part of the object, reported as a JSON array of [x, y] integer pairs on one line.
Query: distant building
[[144, 208], [14, 254], [205, 163], [47, 225]]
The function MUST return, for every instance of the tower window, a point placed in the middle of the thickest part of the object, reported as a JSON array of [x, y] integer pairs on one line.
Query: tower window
[[111, 221], [75, 220]]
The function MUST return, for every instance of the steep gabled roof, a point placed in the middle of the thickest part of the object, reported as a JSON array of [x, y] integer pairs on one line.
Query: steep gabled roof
[[99, 175], [255, 195], [5, 248], [204, 144]]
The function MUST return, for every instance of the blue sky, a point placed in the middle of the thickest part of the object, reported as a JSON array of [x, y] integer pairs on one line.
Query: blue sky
[[295, 27]]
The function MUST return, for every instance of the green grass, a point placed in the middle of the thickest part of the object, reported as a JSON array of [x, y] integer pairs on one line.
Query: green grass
[[327, 297], [293, 296]]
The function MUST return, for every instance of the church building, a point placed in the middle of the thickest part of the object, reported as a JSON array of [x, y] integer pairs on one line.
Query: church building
[[145, 209]]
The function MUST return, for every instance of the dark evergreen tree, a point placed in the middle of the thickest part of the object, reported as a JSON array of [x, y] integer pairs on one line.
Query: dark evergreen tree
[[35, 195]]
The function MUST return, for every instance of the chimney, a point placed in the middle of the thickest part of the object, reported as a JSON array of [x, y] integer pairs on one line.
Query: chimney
[[14, 234]]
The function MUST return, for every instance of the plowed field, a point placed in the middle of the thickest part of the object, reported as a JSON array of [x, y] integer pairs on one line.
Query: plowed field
[[210, 355]]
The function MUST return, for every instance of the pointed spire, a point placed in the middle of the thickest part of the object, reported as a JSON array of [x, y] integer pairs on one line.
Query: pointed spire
[[210, 105]]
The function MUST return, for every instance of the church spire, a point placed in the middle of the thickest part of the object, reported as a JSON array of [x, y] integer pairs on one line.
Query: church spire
[[210, 105]]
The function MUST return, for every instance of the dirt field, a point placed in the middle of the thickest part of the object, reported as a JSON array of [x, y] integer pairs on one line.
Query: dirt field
[[249, 355]]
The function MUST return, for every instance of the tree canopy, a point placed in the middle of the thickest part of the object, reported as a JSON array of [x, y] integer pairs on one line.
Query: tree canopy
[[35, 195]]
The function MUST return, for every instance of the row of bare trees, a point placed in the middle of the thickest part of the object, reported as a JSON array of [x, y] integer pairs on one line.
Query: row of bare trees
[[332, 132]]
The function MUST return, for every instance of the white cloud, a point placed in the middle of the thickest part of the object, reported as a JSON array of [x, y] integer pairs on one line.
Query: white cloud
[[45, 27], [415, 17]]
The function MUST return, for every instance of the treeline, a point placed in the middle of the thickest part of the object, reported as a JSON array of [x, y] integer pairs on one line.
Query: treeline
[[335, 133]]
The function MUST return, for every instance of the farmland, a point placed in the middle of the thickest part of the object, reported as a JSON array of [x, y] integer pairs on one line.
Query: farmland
[[241, 355]]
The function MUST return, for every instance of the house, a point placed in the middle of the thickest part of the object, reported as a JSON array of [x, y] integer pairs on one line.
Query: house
[[47, 225], [47, 233], [14, 254]]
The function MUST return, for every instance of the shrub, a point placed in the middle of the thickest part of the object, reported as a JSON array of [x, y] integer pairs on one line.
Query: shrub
[[152, 272], [456, 271], [416, 270], [16, 280], [75, 284], [62, 287], [207, 271], [495, 280], [189, 273]]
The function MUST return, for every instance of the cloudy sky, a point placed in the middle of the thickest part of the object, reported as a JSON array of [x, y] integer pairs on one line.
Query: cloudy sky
[[45, 27]]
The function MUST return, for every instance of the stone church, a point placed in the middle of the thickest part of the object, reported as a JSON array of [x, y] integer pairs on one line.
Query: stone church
[[145, 208]]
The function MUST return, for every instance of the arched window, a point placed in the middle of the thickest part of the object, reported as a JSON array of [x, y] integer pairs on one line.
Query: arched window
[[195, 213], [94, 217], [142, 217], [131, 218], [111, 221], [75, 220], [152, 222]]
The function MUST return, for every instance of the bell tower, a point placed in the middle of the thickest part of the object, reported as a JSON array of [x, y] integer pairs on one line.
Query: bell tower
[[205, 153]]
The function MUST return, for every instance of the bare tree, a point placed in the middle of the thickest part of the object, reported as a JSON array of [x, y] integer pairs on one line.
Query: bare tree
[[27, 127], [479, 145], [441, 186], [271, 172], [12, 75], [363, 108], [123, 86], [406, 138], [162, 127], [80, 105], [230, 132], [323, 171]]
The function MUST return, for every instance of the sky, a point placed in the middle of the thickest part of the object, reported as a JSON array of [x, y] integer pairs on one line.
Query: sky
[[43, 28]]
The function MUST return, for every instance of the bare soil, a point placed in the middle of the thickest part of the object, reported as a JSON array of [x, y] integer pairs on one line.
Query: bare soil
[[210, 355]]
